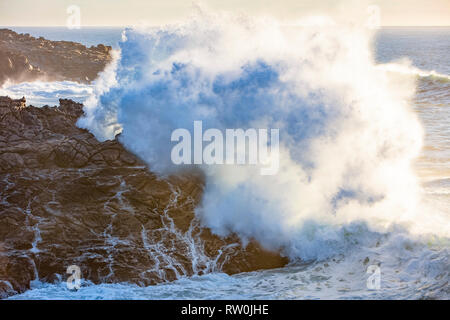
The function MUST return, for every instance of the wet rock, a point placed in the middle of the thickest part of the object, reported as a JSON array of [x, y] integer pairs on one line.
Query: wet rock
[[68, 199]]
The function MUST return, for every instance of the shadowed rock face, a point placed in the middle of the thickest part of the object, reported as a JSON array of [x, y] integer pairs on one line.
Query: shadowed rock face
[[25, 58], [68, 199], [16, 67]]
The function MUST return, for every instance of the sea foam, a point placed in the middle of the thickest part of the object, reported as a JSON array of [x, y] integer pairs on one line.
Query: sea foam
[[348, 135]]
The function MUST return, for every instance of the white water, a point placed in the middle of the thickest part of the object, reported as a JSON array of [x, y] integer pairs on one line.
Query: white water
[[348, 189], [40, 93], [408, 271], [348, 130]]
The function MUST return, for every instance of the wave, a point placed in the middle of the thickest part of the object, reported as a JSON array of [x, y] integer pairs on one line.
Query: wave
[[347, 133], [44, 92], [409, 270], [411, 70], [40, 93]]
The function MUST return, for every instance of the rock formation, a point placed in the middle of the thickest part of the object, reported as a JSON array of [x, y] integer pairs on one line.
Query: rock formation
[[25, 58], [68, 199]]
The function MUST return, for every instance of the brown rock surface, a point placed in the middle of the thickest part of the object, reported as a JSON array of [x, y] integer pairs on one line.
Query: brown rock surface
[[68, 199], [25, 58]]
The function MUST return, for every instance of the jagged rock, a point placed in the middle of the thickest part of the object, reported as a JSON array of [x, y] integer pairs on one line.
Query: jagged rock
[[25, 58], [68, 199], [16, 67]]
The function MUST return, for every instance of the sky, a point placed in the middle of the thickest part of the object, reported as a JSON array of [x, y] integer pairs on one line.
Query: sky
[[156, 12]]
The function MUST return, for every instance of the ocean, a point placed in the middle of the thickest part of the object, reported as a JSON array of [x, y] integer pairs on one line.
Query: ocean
[[410, 266]]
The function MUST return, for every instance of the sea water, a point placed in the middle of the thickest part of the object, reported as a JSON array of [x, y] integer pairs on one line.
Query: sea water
[[415, 268]]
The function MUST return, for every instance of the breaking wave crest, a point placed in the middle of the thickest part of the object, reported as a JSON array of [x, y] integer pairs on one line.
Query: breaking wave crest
[[404, 68], [348, 134]]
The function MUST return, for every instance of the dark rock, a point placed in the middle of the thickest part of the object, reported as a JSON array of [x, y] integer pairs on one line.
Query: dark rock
[[25, 58], [68, 199]]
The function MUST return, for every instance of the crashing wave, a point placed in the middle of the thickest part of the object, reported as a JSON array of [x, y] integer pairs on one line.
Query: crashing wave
[[347, 131]]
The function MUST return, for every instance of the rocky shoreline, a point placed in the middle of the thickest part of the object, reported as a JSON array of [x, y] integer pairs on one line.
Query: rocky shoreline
[[68, 199], [26, 58]]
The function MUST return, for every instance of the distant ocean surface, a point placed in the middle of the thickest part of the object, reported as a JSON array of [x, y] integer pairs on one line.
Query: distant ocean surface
[[88, 36], [427, 47], [417, 273]]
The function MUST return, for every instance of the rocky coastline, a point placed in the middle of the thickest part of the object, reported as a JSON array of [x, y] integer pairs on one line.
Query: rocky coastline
[[26, 58], [68, 199]]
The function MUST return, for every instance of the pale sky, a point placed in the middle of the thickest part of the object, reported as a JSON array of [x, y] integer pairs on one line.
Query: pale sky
[[152, 12]]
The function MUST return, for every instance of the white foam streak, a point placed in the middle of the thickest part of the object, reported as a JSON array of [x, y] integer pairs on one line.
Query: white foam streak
[[408, 69]]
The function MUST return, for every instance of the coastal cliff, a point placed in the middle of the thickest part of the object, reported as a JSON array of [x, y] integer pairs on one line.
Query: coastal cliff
[[68, 199]]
